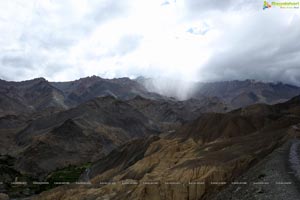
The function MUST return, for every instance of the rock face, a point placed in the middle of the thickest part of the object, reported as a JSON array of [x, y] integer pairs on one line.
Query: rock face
[[121, 158], [188, 163]]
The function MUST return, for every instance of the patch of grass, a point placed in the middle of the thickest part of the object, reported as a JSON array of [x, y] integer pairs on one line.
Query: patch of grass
[[68, 174]]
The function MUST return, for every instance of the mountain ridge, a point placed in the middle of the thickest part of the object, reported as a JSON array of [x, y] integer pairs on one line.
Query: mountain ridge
[[48, 126]]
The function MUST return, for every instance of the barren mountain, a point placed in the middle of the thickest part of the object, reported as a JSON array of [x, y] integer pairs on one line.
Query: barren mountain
[[92, 129], [169, 112], [79, 135], [38, 94], [29, 96], [130, 134], [84, 89], [190, 163]]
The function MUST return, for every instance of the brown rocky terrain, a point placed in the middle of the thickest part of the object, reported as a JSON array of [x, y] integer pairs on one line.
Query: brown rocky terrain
[[271, 178], [171, 149], [39, 117], [29, 96], [47, 141], [79, 135], [190, 163]]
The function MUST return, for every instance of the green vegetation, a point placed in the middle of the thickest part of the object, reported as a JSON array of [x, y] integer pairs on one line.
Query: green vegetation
[[8, 174], [68, 174]]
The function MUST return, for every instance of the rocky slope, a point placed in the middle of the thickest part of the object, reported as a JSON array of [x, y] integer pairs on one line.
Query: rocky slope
[[39, 133], [39, 94], [79, 135], [85, 89], [190, 163], [130, 134], [89, 131], [29, 96], [169, 113], [269, 179]]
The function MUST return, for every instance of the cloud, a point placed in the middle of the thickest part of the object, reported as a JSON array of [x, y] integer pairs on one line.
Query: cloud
[[199, 30], [185, 40], [258, 49], [16, 62], [165, 3], [38, 33]]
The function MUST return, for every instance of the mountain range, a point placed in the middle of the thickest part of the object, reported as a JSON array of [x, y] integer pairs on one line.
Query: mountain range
[[124, 130], [186, 164]]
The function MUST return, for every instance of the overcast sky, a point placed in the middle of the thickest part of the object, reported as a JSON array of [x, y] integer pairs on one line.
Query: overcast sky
[[197, 40]]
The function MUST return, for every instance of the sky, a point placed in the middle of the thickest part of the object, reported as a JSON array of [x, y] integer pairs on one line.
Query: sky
[[190, 40]]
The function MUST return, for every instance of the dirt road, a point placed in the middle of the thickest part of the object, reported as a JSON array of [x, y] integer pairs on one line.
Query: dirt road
[[276, 177]]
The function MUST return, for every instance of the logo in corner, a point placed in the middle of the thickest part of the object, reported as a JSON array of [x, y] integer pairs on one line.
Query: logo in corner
[[266, 5]]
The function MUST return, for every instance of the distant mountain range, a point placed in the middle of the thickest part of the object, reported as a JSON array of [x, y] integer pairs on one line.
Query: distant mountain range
[[248, 92], [41, 95], [233, 93]]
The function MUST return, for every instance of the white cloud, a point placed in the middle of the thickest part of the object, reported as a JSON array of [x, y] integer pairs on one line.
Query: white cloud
[[182, 39]]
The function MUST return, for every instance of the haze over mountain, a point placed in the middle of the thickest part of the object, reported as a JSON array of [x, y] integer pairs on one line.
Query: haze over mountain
[[234, 93]]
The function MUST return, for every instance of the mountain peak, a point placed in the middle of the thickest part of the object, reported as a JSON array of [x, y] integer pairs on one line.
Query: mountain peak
[[90, 78], [38, 79]]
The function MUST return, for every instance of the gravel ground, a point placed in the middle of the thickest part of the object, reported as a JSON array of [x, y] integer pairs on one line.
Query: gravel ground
[[274, 178]]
